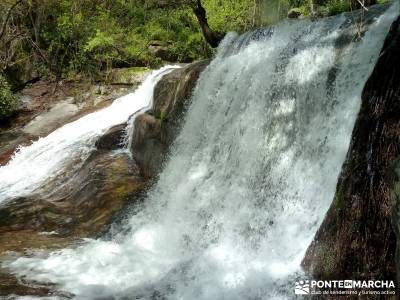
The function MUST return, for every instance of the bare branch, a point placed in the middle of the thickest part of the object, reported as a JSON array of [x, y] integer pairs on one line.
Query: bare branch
[[362, 5], [212, 38], [4, 26]]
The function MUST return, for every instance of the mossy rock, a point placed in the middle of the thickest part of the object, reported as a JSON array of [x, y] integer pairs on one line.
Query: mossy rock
[[128, 76]]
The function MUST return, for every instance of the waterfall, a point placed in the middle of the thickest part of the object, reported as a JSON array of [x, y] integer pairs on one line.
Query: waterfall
[[49, 157], [250, 176]]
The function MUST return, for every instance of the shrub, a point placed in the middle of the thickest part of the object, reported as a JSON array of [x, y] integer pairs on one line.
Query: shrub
[[8, 102], [338, 7]]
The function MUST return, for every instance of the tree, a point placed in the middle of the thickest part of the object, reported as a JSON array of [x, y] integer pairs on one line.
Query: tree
[[212, 38]]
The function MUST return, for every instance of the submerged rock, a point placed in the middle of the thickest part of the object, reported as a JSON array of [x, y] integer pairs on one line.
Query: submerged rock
[[147, 144], [156, 130], [356, 239]]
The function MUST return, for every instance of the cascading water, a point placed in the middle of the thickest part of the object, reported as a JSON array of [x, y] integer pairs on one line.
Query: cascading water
[[250, 176], [33, 166]]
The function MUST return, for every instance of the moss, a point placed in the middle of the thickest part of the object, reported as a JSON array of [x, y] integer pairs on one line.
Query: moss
[[125, 190], [355, 160], [326, 260], [338, 6], [132, 75], [135, 70], [329, 259], [339, 200], [305, 9], [162, 116], [126, 72]]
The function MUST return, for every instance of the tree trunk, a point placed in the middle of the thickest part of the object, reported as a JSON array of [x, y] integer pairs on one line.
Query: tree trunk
[[212, 38]]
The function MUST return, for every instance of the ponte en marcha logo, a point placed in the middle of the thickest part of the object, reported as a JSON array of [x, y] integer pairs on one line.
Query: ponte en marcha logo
[[345, 287]]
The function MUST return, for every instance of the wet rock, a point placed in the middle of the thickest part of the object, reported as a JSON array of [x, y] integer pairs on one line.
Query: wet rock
[[147, 144], [394, 179], [155, 131], [112, 139], [78, 207], [64, 212], [356, 238], [10, 141]]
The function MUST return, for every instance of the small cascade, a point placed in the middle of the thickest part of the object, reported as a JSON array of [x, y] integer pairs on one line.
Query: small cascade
[[66, 149]]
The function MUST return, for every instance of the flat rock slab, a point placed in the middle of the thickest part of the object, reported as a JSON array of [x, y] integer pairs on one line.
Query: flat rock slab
[[45, 123]]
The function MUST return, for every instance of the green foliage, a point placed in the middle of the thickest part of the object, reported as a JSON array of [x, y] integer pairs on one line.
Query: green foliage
[[90, 36], [339, 200], [230, 15], [338, 6], [8, 102]]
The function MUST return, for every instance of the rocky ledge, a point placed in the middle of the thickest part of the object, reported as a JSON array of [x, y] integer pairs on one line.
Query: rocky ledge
[[357, 237], [156, 130], [60, 215]]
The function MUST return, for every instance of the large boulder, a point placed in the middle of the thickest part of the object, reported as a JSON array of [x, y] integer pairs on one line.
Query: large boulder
[[394, 179], [156, 130], [356, 239], [22, 73]]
